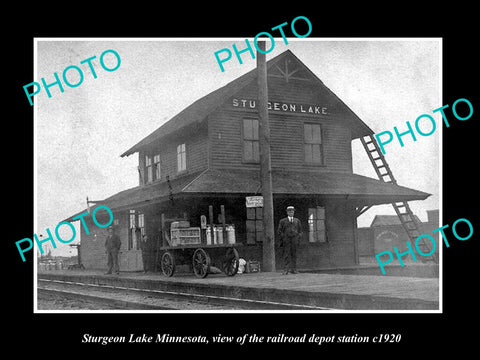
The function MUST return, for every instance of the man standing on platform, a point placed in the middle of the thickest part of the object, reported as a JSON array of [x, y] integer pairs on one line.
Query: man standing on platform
[[112, 247], [289, 233], [144, 247]]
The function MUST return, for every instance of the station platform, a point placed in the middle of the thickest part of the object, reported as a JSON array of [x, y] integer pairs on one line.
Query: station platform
[[326, 290]]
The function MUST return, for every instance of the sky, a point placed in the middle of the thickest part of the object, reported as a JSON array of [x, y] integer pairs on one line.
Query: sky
[[81, 132]]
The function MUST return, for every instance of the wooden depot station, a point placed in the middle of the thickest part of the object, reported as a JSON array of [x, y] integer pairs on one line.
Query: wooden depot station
[[200, 170]]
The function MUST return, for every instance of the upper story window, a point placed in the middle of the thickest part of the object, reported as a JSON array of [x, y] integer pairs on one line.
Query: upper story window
[[152, 166], [181, 158], [156, 167], [148, 165], [251, 144], [313, 144]]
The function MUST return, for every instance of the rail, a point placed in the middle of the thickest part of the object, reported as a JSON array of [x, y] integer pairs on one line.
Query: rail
[[181, 300]]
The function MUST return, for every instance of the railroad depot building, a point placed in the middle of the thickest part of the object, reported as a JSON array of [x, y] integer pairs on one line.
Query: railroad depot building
[[208, 155]]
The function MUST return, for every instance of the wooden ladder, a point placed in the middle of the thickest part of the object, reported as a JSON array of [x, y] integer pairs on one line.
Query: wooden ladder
[[404, 213]]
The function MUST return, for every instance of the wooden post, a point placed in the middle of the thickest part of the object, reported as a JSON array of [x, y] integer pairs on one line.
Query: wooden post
[[356, 251], [265, 166], [210, 219], [157, 254], [162, 229], [224, 230], [203, 229]]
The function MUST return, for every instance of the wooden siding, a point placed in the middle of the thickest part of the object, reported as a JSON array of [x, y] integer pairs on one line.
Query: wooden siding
[[286, 131], [341, 233], [93, 245], [338, 251], [93, 254]]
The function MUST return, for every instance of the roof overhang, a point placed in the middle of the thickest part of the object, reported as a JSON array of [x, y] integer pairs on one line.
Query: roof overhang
[[360, 190]]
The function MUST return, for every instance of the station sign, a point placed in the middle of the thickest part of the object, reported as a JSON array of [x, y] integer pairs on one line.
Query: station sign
[[282, 106]]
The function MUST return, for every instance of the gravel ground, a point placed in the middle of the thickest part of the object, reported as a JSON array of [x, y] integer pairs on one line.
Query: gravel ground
[[52, 302], [57, 302]]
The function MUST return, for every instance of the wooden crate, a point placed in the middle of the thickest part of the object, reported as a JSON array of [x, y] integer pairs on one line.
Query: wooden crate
[[252, 266], [185, 236]]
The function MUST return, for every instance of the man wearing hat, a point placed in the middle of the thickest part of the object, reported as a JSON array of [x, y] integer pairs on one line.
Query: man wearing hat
[[112, 247], [289, 233]]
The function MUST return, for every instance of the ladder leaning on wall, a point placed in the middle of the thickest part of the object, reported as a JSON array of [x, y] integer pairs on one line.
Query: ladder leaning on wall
[[404, 213]]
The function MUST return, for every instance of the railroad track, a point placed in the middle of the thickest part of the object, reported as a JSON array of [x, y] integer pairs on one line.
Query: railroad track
[[127, 298]]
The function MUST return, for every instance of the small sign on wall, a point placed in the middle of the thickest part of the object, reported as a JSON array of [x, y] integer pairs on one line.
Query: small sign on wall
[[254, 201]]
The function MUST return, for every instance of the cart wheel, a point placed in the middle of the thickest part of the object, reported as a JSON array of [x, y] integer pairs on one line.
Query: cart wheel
[[168, 264], [230, 262], [201, 263]]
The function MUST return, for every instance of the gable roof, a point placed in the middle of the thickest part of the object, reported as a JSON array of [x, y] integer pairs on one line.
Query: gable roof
[[198, 110]]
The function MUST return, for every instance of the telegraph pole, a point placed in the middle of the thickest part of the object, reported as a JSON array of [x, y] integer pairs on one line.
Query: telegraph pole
[[265, 166]]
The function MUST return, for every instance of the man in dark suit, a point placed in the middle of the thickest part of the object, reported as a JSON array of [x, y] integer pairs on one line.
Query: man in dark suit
[[144, 247], [112, 247], [289, 233]]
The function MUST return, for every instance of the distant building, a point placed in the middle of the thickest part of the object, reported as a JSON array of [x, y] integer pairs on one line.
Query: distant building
[[47, 249], [386, 231]]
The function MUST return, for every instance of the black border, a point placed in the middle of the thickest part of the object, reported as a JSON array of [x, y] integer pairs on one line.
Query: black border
[[427, 333]]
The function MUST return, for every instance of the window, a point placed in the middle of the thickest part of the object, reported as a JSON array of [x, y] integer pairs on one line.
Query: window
[[132, 236], [141, 226], [313, 144], [254, 225], [251, 144], [181, 158], [136, 230], [316, 225], [156, 167], [152, 165], [148, 165]]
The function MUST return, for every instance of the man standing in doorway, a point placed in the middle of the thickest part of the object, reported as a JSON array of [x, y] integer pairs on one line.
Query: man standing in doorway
[[289, 233], [112, 247], [144, 247]]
